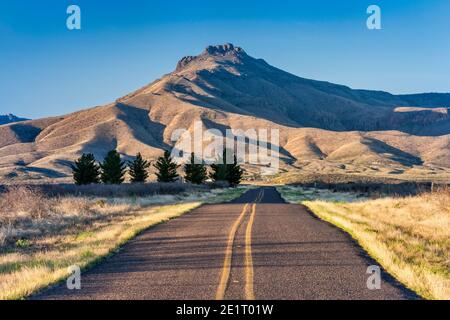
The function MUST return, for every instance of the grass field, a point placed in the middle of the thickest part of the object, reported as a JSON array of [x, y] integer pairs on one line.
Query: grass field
[[40, 236], [369, 177], [408, 236]]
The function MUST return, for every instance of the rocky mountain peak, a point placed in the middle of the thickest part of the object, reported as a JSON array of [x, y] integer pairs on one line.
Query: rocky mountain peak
[[222, 50]]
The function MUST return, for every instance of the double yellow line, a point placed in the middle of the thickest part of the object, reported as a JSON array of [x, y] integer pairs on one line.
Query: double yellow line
[[226, 269]]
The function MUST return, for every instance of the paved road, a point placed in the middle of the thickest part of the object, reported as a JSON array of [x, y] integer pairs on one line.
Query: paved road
[[257, 247]]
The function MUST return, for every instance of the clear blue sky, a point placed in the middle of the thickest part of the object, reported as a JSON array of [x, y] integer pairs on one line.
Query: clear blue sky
[[46, 69]]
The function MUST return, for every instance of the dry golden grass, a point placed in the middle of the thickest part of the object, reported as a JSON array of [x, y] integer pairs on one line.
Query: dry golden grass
[[409, 237], [38, 246]]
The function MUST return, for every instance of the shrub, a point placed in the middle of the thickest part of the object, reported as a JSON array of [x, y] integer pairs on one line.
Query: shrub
[[5, 234], [25, 200]]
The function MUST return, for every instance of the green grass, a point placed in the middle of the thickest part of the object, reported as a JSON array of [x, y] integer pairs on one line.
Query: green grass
[[22, 243]]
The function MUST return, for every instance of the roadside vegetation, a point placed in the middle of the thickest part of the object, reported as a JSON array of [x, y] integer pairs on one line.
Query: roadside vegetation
[[42, 234], [113, 170], [409, 236], [45, 229], [298, 194]]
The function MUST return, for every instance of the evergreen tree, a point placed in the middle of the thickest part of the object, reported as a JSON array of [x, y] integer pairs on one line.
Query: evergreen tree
[[167, 168], [223, 171], [219, 169], [86, 171], [138, 169], [113, 169], [234, 173], [195, 172]]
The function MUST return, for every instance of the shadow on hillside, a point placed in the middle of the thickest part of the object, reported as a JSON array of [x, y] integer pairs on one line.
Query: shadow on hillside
[[49, 173], [240, 95], [143, 129], [288, 158], [25, 132], [396, 155]]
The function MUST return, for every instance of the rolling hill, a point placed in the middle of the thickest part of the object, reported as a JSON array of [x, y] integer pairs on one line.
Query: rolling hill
[[323, 126]]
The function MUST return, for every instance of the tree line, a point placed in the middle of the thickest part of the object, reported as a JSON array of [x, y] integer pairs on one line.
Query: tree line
[[112, 170]]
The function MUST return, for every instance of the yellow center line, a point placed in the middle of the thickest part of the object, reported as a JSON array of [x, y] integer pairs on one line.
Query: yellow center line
[[226, 269], [220, 294], [249, 294], [249, 273]]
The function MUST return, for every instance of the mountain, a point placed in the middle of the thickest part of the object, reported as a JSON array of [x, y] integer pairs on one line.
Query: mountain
[[10, 118], [323, 126]]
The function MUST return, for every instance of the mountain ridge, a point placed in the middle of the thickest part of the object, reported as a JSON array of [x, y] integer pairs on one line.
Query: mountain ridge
[[323, 126], [10, 118]]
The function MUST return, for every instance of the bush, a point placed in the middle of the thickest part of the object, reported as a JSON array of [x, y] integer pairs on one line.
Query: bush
[[5, 234], [23, 200], [118, 191]]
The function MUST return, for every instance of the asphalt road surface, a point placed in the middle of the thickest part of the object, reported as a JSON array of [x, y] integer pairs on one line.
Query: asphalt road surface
[[257, 247]]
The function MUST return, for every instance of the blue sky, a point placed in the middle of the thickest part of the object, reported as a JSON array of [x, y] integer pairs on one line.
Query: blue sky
[[46, 69]]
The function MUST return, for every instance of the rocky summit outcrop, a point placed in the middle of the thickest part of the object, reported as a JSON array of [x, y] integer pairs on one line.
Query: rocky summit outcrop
[[225, 49]]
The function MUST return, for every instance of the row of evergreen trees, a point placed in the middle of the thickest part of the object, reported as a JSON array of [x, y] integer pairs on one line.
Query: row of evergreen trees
[[112, 170]]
